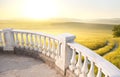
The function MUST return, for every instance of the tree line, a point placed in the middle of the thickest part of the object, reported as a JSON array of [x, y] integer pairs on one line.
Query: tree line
[[116, 31]]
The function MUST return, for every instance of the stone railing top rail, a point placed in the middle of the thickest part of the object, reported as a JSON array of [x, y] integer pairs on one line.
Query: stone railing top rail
[[38, 33]]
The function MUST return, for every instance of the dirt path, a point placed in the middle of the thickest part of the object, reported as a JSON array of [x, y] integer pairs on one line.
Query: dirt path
[[107, 42], [114, 48], [19, 66]]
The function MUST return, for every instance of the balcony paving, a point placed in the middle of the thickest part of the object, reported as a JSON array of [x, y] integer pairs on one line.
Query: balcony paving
[[22, 66]]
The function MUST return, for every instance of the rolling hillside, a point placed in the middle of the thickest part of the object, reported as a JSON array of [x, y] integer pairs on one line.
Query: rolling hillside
[[49, 24]]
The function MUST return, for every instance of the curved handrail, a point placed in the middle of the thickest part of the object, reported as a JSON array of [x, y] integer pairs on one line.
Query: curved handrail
[[38, 33], [106, 67]]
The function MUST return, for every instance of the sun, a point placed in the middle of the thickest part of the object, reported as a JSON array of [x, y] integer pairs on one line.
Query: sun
[[39, 9]]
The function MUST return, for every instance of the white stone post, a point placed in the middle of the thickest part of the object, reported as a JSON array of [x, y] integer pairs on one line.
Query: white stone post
[[66, 52], [9, 40], [49, 47], [1, 41]]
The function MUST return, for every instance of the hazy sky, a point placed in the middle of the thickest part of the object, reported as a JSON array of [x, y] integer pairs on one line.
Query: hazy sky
[[40, 9]]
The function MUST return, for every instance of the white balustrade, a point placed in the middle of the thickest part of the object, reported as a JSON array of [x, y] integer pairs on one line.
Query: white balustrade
[[63, 50]]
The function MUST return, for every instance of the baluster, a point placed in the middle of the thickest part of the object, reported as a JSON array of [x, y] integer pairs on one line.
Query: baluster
[[27, 42], [99, 74], [31, 42], [17, 40], [36, 43], [84, 68], [40, 45], [1, 38], [44, 46], [57, 51], [73, 61], [22, 41], [49, 47], [78, 65], [53, 49], [91, 71]]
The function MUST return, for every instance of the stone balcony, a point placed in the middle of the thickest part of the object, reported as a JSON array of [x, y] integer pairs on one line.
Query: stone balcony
[[55, 56], [22, 66]]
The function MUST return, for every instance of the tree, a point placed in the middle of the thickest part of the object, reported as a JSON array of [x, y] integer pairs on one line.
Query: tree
[[116, 31]]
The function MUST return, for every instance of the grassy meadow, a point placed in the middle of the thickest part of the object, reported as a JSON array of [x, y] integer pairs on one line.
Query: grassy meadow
[[97, 37]]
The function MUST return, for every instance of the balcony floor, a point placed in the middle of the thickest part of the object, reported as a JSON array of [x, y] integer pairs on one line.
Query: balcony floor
[[21, 66]]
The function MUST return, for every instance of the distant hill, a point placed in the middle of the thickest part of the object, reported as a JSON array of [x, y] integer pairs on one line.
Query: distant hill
[[81, 25], [104, 21], [109, 21], [113, 21], [56, 24], [98, 21]]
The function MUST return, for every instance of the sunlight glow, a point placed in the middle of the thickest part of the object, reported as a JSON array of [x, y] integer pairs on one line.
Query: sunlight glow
[[40, 9]]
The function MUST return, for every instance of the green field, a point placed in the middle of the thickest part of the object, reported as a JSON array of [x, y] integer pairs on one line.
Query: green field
[[97, 37]]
